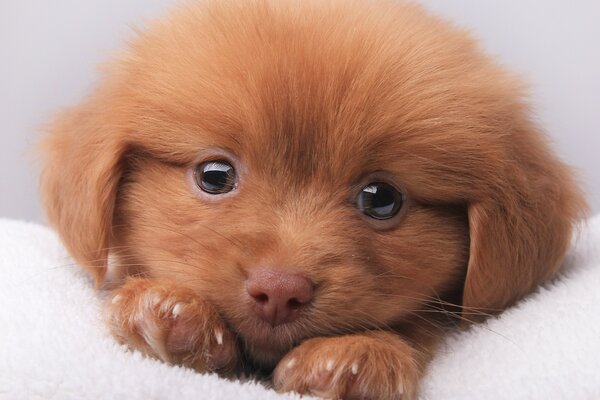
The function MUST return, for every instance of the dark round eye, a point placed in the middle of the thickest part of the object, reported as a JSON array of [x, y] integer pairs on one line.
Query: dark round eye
[[215, 177], [379, 200]]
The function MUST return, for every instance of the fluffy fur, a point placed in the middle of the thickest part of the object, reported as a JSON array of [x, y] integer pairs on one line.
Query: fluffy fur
[[309, 99]]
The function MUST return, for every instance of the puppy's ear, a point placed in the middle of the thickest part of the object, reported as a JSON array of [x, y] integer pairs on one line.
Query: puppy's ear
[[82, 168], [520, 228]]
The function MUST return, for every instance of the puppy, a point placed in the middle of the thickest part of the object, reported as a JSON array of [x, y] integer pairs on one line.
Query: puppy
[[315, 190]]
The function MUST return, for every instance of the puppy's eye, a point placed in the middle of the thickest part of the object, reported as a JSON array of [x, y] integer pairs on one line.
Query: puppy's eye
[[379, 200], [215, 177]]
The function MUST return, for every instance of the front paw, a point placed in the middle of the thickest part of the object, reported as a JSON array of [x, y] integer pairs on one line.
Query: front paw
[[369, 366], [170, 322]]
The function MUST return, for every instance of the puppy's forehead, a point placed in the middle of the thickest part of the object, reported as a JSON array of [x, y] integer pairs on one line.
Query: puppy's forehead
[[309, 88]]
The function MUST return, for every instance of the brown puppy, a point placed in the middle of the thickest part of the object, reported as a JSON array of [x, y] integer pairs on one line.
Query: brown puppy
[[318, 187]]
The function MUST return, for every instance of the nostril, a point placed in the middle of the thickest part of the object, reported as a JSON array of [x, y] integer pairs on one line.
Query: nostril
[[261, 298], [294, 304]]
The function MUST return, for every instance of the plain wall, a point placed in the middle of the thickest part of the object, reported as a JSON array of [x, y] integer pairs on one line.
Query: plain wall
[[49, 51]]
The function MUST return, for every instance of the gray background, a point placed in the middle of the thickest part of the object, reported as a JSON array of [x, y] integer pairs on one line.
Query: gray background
[[49, 51]]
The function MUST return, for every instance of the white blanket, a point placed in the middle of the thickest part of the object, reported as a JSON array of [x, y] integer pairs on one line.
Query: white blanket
[[53, 344]]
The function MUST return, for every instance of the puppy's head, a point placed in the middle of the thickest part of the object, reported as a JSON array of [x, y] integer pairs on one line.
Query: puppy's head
[[311, 168]]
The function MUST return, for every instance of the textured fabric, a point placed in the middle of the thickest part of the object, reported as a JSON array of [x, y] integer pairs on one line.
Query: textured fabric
[[53, 344]]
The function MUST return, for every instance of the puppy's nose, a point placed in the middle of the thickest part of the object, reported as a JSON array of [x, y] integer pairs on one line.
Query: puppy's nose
[[278, 296]]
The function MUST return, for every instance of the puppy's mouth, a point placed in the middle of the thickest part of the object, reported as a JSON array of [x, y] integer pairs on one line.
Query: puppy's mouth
[[265, 344]]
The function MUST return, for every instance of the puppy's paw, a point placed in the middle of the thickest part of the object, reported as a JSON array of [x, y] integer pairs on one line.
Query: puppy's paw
[[370, 366], [170, 322]]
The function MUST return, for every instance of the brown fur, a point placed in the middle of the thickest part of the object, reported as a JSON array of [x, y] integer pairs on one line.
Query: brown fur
[[310, 97]]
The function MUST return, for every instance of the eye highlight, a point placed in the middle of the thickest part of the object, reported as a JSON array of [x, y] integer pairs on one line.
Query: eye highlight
[[215, 177], [379, 200]]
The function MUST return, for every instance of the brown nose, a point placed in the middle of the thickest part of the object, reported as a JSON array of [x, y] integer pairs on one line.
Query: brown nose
[[278, 296]]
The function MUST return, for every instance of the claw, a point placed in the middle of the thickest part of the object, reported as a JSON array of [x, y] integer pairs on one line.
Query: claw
[[117, 299], [401, 388], [177, 309], [329, 366], [219, 336]]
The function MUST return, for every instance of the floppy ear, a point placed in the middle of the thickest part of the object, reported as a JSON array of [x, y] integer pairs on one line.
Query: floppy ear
[[82, 168], [520, 230]]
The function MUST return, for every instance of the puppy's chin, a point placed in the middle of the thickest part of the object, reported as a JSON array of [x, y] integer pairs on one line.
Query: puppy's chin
[[265, 357], [265, 345]]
